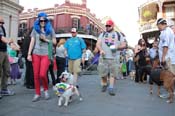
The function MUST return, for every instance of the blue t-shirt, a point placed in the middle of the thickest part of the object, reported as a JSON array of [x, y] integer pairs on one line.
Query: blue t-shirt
[[153, 52], [74, 47]]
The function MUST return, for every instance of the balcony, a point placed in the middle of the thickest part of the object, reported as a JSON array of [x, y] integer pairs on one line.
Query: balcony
[[148, 27], [62, 30]]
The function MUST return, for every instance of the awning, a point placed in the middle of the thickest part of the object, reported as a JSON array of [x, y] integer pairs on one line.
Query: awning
[[67, 35]]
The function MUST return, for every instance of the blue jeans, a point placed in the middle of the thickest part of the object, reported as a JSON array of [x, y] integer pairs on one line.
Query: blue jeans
[[130, 66]]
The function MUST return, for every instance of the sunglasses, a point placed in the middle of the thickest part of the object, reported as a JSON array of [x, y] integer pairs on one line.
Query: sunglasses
[[1, 22], [43, 20], [108, 25]]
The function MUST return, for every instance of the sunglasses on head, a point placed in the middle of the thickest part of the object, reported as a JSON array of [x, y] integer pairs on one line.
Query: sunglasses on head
[[108, 25], [43, 20], [1, 22]]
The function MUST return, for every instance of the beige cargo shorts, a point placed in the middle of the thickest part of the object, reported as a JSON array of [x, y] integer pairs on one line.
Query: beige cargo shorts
[[170, 66], [108, 66], [74, 66]]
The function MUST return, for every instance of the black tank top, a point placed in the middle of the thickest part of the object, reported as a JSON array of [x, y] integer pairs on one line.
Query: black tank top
[[3, 46]]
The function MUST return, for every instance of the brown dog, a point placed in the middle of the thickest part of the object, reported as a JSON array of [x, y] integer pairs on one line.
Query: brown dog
[[168, 79], [165, 77]]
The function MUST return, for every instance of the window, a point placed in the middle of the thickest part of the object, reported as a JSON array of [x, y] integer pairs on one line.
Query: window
[[23, 26], [22, 29], [169, 11], [75, 23]]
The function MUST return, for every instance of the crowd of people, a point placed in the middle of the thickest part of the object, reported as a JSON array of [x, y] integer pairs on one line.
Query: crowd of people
[[43, 54]]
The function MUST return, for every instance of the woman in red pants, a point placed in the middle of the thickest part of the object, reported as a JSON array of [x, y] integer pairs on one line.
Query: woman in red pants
[[41, 36]]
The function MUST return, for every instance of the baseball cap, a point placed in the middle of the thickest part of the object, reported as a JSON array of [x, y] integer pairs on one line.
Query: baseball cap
[[109, 22], [161, 21], [73, 30]]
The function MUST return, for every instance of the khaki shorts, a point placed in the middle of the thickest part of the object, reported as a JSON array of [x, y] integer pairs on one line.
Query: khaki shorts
[[74, 66], [107, 66], [171, 67]]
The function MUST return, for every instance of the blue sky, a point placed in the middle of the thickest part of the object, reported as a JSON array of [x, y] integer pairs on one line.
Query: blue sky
[[123, 12]]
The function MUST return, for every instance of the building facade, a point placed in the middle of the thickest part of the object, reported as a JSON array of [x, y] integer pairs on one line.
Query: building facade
[[149, 12], [9, 10], [63, 18]]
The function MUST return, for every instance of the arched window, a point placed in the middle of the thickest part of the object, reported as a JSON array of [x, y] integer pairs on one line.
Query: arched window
[[22, 29], [76, 23]]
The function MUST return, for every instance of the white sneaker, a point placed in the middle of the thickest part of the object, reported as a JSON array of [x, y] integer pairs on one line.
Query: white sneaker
[[46, 95], [36, 98], [54, 88], [13, 82], [164, 96], [9, 82]]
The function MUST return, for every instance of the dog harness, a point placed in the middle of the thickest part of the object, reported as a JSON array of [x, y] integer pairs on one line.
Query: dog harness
[[155, 77], [62, 87]]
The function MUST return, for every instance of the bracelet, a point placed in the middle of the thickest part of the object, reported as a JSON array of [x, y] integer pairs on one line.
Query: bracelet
[[29, 54]]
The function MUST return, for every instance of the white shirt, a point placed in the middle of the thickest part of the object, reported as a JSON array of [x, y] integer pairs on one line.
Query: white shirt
[[167, 40], [129, 54], [88, 55]]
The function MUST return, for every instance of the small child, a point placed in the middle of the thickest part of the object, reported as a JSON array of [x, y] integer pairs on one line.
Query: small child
[[13, 59]]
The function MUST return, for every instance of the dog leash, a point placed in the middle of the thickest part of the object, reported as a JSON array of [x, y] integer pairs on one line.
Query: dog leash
[[93, 63], [66, 65]]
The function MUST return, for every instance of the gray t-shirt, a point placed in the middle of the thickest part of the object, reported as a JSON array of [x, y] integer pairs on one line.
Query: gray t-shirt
[[110, 39], [60, 51], [41, 48]]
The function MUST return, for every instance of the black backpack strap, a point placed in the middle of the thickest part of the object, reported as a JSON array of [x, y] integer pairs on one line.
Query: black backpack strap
[[118, 35], [104, 34]]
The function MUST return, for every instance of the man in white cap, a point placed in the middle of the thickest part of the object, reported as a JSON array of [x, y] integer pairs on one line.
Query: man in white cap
[[166, 45], [74, 46]]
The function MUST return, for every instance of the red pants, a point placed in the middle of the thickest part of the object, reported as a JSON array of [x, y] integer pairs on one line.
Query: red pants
[[40, 67]]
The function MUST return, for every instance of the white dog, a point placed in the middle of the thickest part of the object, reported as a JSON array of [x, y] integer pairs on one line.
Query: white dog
[[65, 91], [67, 77]]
